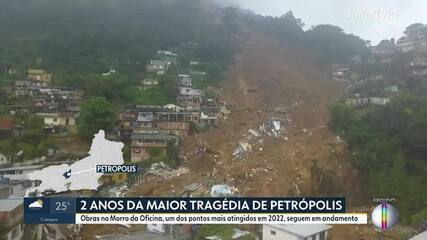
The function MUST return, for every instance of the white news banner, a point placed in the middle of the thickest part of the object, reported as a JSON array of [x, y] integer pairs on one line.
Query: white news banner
[[262, 218]]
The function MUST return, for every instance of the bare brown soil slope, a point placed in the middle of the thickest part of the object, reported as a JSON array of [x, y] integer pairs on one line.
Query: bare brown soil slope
[[271, 79], [267, 79]]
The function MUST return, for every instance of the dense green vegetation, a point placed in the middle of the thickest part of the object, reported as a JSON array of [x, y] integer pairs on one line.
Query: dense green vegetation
[[79, 40], [91, 36], [96, 113], [389, 143]]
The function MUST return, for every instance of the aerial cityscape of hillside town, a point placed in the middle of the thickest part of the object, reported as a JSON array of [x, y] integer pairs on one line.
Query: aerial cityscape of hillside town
[[203, 139]]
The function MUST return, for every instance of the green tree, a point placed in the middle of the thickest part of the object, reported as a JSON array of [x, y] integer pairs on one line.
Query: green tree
[[248, 237], [342, 117], [3, 96], [172, 153], [409, 190], [95, 114], [419, 217], [389, 142], [155, 152]]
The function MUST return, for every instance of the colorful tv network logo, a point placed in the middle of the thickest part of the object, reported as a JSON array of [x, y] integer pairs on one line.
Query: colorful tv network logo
[[384, 216]]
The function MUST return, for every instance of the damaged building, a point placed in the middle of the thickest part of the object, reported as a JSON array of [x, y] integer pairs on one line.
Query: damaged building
[[189, 97], [148, 146]]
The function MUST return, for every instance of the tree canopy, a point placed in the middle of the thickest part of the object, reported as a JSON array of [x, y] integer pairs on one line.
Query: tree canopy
[[96, 114], [91, 36], [390, 144]]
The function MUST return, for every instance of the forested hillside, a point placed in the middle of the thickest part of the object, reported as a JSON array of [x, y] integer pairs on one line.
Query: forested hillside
[[388, 144], [91, 35], [389, 141], [79, 40]]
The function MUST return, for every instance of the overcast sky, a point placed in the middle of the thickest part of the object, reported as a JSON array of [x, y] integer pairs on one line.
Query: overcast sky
[[370, 19]]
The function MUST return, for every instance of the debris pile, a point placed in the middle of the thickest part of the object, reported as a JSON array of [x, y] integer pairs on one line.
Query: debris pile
[[197, 150], [256, 171], [223, 191], [118, 191], [162, 170], [241, 150], [271, 127], [194, 189]]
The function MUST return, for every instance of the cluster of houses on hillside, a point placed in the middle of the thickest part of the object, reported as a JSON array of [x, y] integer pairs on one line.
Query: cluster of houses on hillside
[[162, 63], [151, 128], [414, 39], [411, 49], [385, 52], [341, 72], [408, 55], [357, 100], [58, 106], [147, 127]]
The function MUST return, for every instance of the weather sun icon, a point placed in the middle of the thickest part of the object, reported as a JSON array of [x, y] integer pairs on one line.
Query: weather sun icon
[[36, 204]]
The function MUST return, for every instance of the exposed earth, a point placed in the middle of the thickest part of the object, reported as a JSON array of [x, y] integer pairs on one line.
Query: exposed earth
[[271, 80]]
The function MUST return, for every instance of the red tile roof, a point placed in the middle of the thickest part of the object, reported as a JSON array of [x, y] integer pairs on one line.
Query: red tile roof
[[6, 123]]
